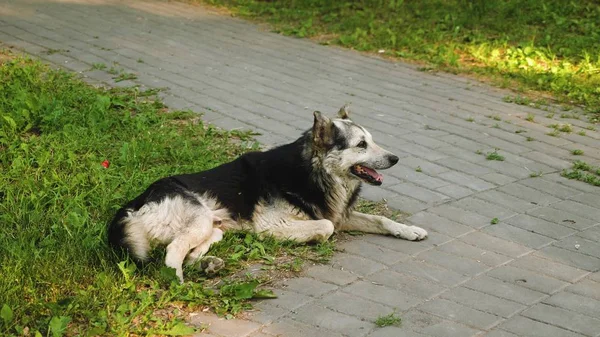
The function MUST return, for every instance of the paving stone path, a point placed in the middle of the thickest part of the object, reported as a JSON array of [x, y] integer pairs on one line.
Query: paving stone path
[[534, 273]]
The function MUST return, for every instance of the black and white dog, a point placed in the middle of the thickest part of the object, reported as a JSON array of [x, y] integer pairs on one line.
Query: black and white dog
[[301, 191]]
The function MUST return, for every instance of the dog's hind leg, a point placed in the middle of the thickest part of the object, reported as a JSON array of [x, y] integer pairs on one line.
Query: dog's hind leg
[[298, 230], [208, 264], [199, 232], [381, 225]]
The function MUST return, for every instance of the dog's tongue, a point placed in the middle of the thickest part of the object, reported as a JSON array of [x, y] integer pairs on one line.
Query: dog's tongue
[[374, 174]]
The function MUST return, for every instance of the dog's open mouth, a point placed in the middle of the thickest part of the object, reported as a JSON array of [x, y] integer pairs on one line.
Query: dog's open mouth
[[367, 174]]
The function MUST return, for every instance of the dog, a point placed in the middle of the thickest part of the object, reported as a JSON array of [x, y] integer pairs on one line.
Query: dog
[[301, 191]]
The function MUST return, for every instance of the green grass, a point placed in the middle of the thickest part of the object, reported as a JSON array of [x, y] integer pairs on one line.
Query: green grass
[[547, 46], [494, 156], [583, 171], [388, 320], [494, 221], [577, 152], [57, 274]]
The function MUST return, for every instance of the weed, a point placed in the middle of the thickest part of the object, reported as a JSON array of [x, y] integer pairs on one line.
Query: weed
[[530, 139], [99, 66], [583, 171], [550, 115], [52, 51], [125, 77], [114, 70], [566, 128], [530, 117], [520, 131], [140, 60], [419, 169], [496, 117], [388, 320], [479, 152], [581, 133], [554, 133], [591, 128], [496, 126], [577, 152], [57, 197], [470, 119], [535, 174], [494, 221], [494, 156]]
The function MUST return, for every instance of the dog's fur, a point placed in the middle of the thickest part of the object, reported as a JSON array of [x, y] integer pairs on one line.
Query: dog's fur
[[301, 191]]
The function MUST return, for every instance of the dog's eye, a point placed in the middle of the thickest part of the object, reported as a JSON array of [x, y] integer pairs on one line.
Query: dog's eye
[[362, 145]]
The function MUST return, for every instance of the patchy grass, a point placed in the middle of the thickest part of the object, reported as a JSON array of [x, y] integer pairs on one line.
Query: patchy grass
[[536, 174], [547, 46], [583, 171], [530, 139], [388, 320], [494, 156], [530, 117], [494, 221], [125, 77], [57, 274], [577, 152]]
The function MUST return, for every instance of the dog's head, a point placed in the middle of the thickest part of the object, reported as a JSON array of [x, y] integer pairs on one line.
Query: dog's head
[[347, 149]]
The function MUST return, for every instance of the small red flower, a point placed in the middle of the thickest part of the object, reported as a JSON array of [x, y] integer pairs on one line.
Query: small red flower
[[106, 164]]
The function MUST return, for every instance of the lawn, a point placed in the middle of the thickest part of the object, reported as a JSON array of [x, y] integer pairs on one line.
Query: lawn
[[70, 156], [547, 46]]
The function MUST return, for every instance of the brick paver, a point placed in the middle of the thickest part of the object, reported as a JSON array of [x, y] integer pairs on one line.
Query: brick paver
[[535, 273]]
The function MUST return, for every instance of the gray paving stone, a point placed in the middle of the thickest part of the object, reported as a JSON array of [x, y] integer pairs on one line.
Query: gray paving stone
[[505, 290], [328, 319], [474, 253], [372, 251], [581, 304], [460, 313], [483, 302], [438, 224], [356, 306], [223, 327], [586, 288], [548, 267], [498, 179], [570, 258], [392, 331], [500, 333], [527, 279], [466, 180], [426, 166], [484, 208], [433, 325], [265, 313], [495, 244], [308, 286], [355, 264], [406, 247], [331, 275], [291, 328], [592, 234], [430, 272], [407, 283], [465, 266], [506, 200], [419, 193], [289, 299], [518, 235], [564, 318], [555, 189], [529, 194], [455, 191], [539, 226], [580, 245], [561, 217], [461, 216], [400, 300], [579, 209], [522, 326]]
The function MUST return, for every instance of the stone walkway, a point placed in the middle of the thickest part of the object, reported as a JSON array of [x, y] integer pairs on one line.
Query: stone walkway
[[535, 273]]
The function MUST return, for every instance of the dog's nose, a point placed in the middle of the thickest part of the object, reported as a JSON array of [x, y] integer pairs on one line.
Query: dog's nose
[[393, 159]]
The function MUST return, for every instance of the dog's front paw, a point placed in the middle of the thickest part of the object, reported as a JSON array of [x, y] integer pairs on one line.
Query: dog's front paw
[[411, 233], [211, 264]]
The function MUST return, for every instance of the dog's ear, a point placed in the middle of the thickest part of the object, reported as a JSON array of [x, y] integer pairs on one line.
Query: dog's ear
[[322, 130], [344, 112]]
